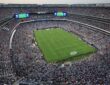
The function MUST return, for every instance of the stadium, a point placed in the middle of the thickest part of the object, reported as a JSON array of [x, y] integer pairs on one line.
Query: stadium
[[54, 45]]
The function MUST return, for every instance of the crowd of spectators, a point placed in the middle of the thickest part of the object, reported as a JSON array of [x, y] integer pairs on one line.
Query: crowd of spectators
[[90, 71], [29, 62], [102, 12], [6, 70]]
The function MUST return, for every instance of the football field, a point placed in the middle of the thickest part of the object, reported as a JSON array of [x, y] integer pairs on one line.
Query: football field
[[58, 45]]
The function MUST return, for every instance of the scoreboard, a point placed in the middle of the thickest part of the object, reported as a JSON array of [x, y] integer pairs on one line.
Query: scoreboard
[[22, 15], [60, 14]]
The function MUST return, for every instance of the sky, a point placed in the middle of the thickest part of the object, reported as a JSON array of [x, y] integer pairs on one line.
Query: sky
[[54, 1]]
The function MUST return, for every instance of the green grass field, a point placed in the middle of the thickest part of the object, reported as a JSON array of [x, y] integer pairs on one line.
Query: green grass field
[[58, 45]]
